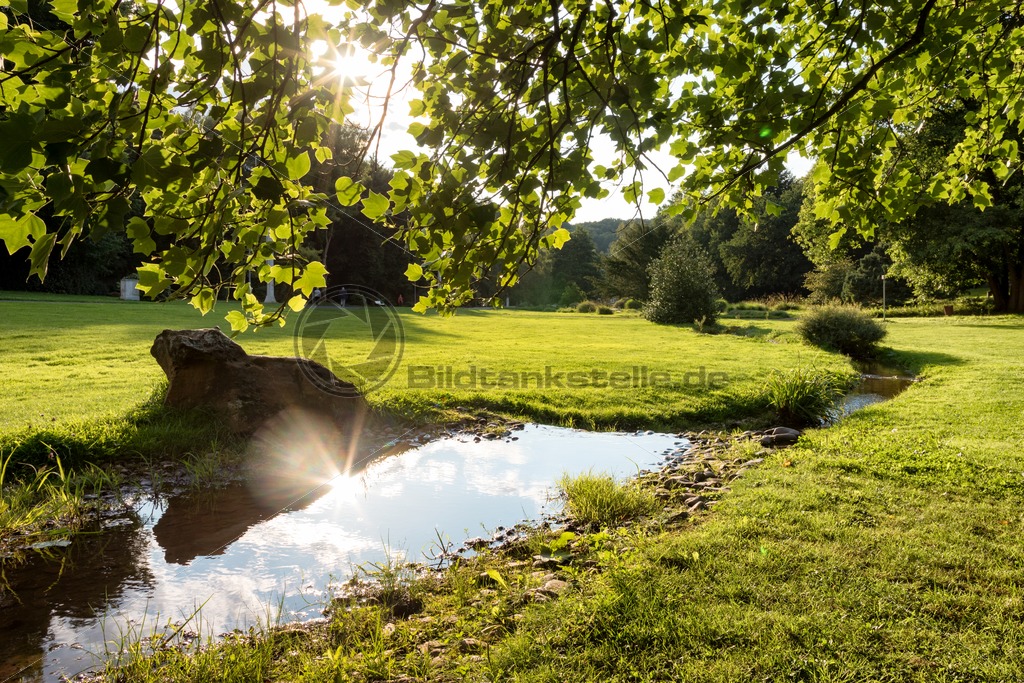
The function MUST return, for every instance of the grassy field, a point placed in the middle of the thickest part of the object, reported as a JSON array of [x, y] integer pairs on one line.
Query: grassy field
[[71, 359], [885, 548]]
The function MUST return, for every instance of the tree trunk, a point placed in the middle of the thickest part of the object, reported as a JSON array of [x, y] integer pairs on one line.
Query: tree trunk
[[998, 289], [1015, 302]]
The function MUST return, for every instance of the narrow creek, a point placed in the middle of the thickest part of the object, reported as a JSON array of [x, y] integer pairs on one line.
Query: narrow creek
[[878, 382], [269, 550], [246, 551]]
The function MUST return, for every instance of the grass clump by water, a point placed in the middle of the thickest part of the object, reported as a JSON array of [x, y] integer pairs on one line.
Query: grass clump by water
[[599, 500], [49, 503], [844, 329], [803, 396]]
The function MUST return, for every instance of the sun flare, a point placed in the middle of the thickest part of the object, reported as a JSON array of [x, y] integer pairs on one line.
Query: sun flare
[[346, 62]]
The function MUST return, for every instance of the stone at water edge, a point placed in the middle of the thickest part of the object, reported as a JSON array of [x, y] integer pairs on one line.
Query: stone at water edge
[[780, 436], [205, 369]]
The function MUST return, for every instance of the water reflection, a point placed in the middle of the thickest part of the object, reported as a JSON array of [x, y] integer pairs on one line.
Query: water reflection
[[877, 383], [275, 541], [61, 590]]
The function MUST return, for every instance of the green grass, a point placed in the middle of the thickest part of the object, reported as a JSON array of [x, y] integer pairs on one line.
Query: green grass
[[70, 361], [804, 396], [885, 548], [598, 499], [48, 504]]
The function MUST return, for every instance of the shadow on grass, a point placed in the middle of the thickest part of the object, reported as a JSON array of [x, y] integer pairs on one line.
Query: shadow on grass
[[149, 431], [915, 361]]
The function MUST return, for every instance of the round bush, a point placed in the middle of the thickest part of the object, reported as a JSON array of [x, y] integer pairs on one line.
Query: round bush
[[632, 305], [586, 307], [682, 285], [841, 328], [605, 310]]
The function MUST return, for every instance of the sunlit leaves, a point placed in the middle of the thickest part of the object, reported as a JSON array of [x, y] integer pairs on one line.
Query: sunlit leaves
[[375, 205], [146, 120]]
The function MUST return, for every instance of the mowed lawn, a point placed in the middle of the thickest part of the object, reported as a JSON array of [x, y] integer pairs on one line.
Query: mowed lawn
[[64, 358]]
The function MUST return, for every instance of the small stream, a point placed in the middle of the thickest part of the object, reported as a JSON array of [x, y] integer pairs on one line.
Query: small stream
[[878, 382], [248, 550], [269, 550]]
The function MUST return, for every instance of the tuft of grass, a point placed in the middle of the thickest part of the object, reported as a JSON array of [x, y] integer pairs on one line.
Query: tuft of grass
[[50, 502], [598, 499], [844, 329], [605, 310], [586, 307], [803, 396]]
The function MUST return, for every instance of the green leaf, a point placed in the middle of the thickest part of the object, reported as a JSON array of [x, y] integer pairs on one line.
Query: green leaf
[[237, 320], [324, 154], [16, 135], [656, 196], [835, 238], [498, 578], [404, 159], [203, 300], [65, 10], [314, 275], [15, 233], [348, 191], [152, 279], [39, 257], [558, 238], [414, 272], [138, 232], [298, 166], [375, 205]]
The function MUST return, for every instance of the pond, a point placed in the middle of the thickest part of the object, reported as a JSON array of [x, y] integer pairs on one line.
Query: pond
[[268, 550]]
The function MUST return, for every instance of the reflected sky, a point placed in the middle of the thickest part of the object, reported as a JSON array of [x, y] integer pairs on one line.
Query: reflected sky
[[235, 552]]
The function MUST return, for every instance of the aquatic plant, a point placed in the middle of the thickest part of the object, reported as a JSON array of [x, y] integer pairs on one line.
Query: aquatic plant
[[599, 499], [803, 396]]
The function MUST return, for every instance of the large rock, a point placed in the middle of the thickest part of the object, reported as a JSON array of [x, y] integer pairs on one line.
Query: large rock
[[207, 370]]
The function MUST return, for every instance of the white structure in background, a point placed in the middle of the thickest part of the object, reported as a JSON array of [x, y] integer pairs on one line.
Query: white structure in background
[[130, 288], [269, 299]]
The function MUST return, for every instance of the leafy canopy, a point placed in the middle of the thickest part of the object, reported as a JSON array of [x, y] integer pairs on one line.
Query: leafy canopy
[[209, 114]]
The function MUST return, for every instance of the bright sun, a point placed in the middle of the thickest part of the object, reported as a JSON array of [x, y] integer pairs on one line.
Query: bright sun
[[347, 62]]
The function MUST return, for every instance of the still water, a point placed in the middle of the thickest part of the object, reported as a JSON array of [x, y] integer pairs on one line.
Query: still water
[[245, 552]]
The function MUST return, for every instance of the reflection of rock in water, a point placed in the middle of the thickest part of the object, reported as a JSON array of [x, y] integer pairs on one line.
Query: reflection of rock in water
[[291, 464], [75, 582], [207, 522]]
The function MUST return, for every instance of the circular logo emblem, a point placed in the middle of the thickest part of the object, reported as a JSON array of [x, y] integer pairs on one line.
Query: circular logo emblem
[[355, 333]]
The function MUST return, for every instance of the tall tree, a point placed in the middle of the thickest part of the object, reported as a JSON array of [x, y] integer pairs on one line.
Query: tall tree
[[943, 249], [753, 251], [576, 264], [511, 96], [626, 269]]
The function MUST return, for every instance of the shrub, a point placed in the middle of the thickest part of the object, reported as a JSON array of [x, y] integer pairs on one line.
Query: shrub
[[841, 328], [571, 295], [632, 305], [682, 285], [803, 396], [605, 310], [599, 499], [586, 307]]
